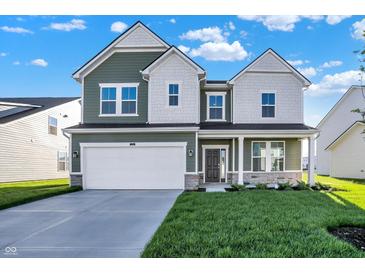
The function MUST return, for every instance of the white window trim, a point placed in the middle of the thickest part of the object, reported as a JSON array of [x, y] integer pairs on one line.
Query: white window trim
[[226, 147], [268, 156], [179, 83], [49, 125], [275, 105], [65, 161], [118, 108], [223, 94]]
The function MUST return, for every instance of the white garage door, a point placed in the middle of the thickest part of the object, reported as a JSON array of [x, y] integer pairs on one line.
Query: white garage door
[[141, 166]]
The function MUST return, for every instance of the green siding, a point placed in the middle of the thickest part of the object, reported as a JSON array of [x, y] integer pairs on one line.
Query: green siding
[[202, 142], [188, 137], [203, 105], [293, 150], [118, 68]]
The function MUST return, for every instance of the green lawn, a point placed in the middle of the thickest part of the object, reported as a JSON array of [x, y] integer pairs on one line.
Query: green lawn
[[12, 194], [261, 223]]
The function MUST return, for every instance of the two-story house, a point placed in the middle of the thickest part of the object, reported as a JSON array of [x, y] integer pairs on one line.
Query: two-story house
[[32, 144], [151, 119]]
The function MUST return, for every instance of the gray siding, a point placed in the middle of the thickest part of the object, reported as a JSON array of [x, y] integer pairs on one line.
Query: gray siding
[[118, 68], [135, 137], [293, 151], [203, 105]]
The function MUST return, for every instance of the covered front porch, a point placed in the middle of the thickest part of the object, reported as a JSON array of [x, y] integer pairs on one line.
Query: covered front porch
[[255, 158]]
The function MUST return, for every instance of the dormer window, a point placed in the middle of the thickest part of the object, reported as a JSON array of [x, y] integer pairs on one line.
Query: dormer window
[[216, 106], [119, 99], [173, 95], [268, 104]]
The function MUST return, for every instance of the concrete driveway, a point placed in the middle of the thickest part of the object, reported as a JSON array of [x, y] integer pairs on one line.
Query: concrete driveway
[[91, 223]]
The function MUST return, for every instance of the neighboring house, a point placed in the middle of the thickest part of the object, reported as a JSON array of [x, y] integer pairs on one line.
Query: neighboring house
[[305, 163], [151, 119], [32, 144], [341, 144]]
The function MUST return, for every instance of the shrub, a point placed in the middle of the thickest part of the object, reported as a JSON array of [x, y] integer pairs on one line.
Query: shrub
[[285, 186], [261, 186], [238, 187]]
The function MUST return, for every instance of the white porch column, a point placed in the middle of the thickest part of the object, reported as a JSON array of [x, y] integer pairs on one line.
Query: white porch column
[[311, 161], [240, 160]]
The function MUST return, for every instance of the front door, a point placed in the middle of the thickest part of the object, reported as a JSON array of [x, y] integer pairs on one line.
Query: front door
[[212, 165]]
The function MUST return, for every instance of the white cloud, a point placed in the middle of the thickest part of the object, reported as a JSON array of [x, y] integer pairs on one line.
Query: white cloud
[[20, 19], [74, 24], [16, 63], [335, 19], [287, 22], [358, 29], [15, 29], [297, 62], [334, 83], [184, 49], [231, 25], [220, 51], [274, 22], [312, 119], [308, 72], [331, 64], [172, 21], [213, 34], [3, 54], [39, 62], [118, 26]]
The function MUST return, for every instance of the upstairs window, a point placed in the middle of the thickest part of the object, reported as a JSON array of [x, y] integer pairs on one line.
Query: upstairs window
[[118, 99], [108, 100], [52, 125], [216, 110], [268, 105], [173, 95], [129, 100]]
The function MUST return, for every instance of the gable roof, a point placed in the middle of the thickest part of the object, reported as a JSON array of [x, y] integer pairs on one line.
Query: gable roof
[[343, 134], [305, 81], [172, 50], [164, 45], [345, 95], [30, 105]]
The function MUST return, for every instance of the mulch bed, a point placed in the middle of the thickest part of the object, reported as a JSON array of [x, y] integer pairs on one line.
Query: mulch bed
[[353, 235]]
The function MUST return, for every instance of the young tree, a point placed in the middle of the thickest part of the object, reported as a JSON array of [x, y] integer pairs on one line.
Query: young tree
[[361, 57]]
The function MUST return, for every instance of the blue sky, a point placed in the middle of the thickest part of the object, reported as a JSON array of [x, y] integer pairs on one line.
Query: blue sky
[[39, 53]]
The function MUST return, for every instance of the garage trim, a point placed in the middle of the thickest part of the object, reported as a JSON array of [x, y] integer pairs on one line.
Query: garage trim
[[126, 144]]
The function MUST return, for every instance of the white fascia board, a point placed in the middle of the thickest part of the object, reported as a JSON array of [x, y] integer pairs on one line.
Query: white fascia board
[[280, 59], [131, 130], [257, 133], [18, 104], [148, 70], [344, 134]]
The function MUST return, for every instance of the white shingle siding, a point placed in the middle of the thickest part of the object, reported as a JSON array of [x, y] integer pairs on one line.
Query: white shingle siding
[[335, 124], [269, 63], [247, 91], [28, 152], [174, 69], [138, 38]]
